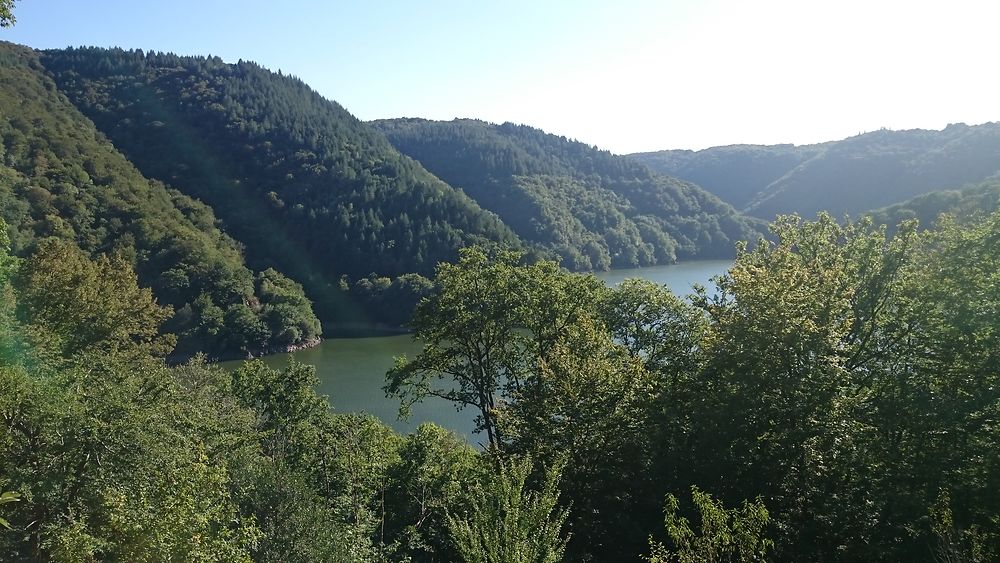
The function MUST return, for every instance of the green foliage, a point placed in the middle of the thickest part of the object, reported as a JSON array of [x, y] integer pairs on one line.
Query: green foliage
[[525, 345], [7, 18], [345, 459], [485, 328], [971, 202], [89, 306], [734, 173], [8, 497], [509, 522], [588, 407], [847, 377], [304, 185], [285, 309], [654, 325], [593, 209], [392, 300], [13, 340], [7, 262], [108, 469], [431, 481], [724, 535], [851, 176], [60, 178], [958, 546]]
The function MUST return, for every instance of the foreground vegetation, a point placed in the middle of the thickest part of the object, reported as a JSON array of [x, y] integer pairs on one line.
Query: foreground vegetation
[[836, 399]]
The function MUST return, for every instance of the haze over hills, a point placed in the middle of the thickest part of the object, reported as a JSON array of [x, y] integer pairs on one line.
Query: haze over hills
[[734, 173], [594, 209], [846, 177]]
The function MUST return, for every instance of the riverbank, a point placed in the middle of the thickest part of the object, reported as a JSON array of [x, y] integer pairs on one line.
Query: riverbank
[[176, 359]]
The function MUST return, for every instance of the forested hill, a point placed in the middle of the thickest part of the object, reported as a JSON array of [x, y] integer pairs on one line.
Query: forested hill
[[735, 173], [592, 208], [61, 179], [851, 176], [967, 203], [304, 185]]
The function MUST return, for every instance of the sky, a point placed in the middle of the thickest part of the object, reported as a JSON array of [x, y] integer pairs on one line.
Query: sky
[[625, 75]]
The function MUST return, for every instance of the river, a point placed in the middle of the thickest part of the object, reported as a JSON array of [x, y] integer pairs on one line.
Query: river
[[352, 370]]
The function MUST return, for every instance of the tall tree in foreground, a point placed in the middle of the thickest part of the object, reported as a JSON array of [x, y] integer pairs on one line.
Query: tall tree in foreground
[[486, 328], [7, 18], [90, 305]]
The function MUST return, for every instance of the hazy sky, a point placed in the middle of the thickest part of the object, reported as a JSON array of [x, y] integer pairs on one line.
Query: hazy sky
[[626, 75]]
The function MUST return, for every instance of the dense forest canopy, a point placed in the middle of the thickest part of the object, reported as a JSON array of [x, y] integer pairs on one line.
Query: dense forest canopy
[[733, 173], [60, 178], [307, 188], [835, 400], [963, 204], [593, 209], [850, 176]]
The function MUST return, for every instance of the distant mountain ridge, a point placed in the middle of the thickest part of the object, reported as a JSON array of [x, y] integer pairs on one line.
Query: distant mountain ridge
[[593, 209], [846, 177]]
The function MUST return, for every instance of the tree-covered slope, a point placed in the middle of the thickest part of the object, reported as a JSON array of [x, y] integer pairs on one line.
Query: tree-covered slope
[[966, 203], [850, 176], [304, 185], [59, 177], [735, 173], [592, 208]]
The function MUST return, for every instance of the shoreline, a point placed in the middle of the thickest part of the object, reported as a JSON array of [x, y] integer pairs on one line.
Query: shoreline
[[340, 331]]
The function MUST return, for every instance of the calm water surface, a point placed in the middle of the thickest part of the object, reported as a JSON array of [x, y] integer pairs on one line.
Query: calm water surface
[[352, 370]]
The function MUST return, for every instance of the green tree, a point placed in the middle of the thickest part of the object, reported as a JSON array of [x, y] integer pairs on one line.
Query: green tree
[[486, 328], [12, 337], [589, 405], [472, 347], [430, 481], [109, 467], [724, 535], [344, 459], [7, 18], [7, 497], [955, 545], [655, 325], [510, 523], [89, 305], [7, 262]]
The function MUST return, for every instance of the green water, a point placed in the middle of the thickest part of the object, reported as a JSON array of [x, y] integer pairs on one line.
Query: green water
[[352, 370]]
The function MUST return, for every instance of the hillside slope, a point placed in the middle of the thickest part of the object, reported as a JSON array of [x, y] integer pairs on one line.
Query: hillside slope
[[850, 176], [593, 209], [964, 204], [300, 182], [734, 173], [59, 177]]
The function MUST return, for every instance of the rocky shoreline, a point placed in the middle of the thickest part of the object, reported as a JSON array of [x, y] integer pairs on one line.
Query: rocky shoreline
[[176, 359]]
